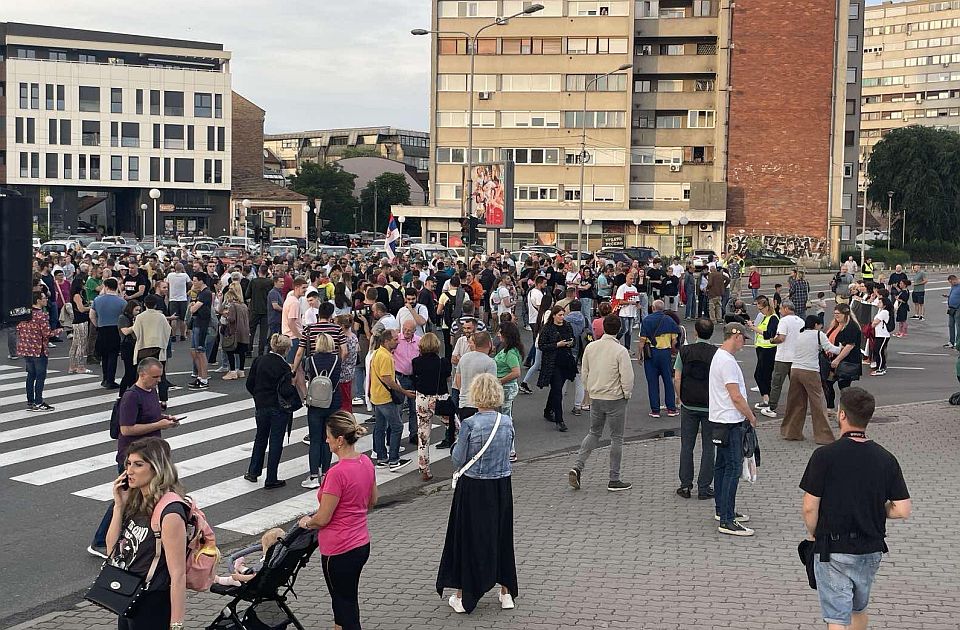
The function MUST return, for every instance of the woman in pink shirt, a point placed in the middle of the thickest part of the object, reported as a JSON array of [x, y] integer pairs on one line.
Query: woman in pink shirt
[[349, 490]]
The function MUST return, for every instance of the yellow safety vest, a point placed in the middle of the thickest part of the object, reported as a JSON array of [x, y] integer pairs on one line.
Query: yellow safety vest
[[867, 271], [759, 341]]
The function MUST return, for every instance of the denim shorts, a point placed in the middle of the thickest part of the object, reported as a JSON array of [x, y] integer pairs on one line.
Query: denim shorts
[[843, 584], [198, 336]]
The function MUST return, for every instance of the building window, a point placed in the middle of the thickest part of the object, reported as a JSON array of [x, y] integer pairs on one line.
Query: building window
[[172, 103], [65, 132], [596, 83], [89, 98], [531, 156], [598, 8], [154, 169], [154, 102], [156, 136], [57, 55], [67, 166], [642, 86], [190, 137], [116, 100], [26, 53], [48, 90], [94, 167], [648, 9], [467, 8], [853, 43], [854, 13], [52, 131], [701, 119], [208, 171], [116, 167], [221, 138], [34, 96], [519, 83], [31, 130], [61, 98], [114, 134], [851, 107], [35, 165], [457, 155], [24, 165], [849, 138], [337, 141], [670, 85], [702, 8], [671, 50], [218, 105], [848, 170], [211, 139], [284, 217], [669, 121], [596, 157], [90, 133], [19, 130], [594, 120], [203, 105], [705, 85], [536, 193], [129, 134], [173, 136], [218, 171], [86, 58], [82, 166], [53, 166], [597, 45], [139, 101], [449, 191], [528, 119], [24, 96], [531, 46], [851, 76], [183, 170], [167, 171], [452, 46], [133, 168], [846, 202]]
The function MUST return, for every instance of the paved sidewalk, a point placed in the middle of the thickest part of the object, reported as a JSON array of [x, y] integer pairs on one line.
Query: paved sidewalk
[[648, 559]]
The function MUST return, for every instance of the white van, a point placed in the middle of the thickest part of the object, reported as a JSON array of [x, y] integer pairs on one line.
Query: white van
[[428, 250]]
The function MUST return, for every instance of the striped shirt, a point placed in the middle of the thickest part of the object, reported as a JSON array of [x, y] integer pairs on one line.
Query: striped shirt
[[308, 338]]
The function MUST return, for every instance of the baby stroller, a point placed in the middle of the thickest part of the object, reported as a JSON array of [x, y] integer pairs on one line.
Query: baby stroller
[[267, 591]]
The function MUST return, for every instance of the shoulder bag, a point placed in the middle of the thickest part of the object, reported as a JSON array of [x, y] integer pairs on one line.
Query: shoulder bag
[[228, 331], [476, 458], [66, 313], [647, 351], [395, 397], [444, 405]]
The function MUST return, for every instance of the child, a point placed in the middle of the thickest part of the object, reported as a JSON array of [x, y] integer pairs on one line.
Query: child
[[777, 298], [243, 573], [819, 305], [901, 307], [754, 282]]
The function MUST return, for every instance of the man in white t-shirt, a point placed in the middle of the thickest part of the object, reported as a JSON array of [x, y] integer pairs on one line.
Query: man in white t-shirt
[[501, 300], [788, 331], [178, 281], [412, 311], [728, 410], [627, 296], [534, 297]]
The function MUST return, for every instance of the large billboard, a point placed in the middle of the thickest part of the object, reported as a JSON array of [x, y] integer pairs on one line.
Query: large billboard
[[493, 194]]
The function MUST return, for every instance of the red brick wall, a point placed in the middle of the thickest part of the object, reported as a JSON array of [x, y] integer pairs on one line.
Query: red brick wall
[[247, 136], [779, 142]]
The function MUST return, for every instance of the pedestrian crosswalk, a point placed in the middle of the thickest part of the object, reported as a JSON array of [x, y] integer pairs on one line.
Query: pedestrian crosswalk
[[70, 452]]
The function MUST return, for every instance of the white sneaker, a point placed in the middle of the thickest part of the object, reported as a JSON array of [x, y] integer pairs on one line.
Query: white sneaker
[[754, 389], [506, 601], [768, 412], [873, 364], [456, 604], [760, 405], [310, 482]]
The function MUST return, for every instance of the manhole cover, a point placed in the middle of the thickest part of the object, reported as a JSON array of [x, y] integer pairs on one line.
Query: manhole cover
[[883, 419]]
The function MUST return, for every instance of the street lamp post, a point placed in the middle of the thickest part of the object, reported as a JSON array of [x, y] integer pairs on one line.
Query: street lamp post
[[246, 208], [683, 234], [903, 228], [49, 201], [673, 225], [154, 194], [472, 45], [400, 222], [889, 218], [583, 148], [143, 220], [637, 223], [586, 222]]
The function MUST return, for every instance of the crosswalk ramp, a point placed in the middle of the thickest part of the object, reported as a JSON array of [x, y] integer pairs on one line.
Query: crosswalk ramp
[[69, 451]]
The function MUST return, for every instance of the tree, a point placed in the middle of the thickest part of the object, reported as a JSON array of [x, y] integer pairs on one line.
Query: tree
[[391, 189], [352, 152], [334, 187], [921, 166]]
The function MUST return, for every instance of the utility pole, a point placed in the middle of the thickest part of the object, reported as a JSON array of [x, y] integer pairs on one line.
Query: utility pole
[[889, 218]]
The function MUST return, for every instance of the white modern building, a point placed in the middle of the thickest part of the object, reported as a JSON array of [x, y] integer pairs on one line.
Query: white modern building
[[95, 120]]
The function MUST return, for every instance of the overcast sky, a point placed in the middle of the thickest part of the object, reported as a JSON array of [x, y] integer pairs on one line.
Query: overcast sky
[[312, 64]]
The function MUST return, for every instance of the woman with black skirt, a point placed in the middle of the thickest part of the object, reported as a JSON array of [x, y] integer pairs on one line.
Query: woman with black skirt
[[557, 365], [478, 550]]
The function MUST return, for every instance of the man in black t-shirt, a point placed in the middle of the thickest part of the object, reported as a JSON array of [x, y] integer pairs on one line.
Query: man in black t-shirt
[[135, 283], [201, 309], [851, 488]]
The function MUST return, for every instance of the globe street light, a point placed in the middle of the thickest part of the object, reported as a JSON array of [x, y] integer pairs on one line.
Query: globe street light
[[889, 218], [154, 194], [246, 208], [316, 215], [143, 220], [472, 44], [673, 229], [49, 201], [683, 234], [637, 223], [400, 222], [588, 223]]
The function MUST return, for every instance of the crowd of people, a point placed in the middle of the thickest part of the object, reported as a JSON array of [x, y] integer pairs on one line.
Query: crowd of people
[[418, 342]]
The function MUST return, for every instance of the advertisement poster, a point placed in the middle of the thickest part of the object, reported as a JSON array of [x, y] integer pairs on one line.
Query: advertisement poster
[[493, 194]]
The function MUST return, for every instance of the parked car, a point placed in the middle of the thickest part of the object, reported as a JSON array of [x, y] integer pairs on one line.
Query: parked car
[[117, 240], [628, 254], [96, 248], [334, 250], [36, 243], [768, 258], [284, 251], [702, 257], [550, 250], [204, 248], [58, 246], [83, 239], [114, 250], [243, 242], [229, 254], [427, 251]]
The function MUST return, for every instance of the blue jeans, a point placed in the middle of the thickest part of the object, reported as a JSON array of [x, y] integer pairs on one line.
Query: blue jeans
[[690, 306], [843, 584], [272, 423], [54, 315], [36, 376], [535, 368], [359, 380], [954, 324], [319, 449], [406, 382], [626, 331], [726, 473], [294, 344], [100, 536], [586, 307], [387, 427], [655, 368]]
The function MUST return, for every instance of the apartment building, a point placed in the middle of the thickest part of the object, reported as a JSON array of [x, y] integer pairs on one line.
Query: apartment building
[[95, 120], [329, 145], [911, 71], [668, 142]]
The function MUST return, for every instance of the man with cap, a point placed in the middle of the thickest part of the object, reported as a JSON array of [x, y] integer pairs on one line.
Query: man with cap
[[729, 412]]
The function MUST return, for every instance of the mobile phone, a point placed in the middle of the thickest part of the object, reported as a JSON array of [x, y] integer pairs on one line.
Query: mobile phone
[[180, 419], [125, 484]]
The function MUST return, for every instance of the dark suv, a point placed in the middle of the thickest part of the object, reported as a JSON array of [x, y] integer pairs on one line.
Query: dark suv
[[626, 254]]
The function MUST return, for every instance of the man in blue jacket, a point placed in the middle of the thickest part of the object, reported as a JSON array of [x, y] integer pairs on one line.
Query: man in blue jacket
[[660, 331]]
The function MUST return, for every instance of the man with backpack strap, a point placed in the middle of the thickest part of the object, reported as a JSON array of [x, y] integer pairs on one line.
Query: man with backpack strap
[[136, 415], [691, 379]]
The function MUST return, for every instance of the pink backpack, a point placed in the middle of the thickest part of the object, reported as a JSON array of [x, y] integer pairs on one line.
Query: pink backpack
[[202, 553]]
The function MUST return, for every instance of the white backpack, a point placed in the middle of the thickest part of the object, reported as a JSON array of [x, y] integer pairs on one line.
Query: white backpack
[[320, 388]]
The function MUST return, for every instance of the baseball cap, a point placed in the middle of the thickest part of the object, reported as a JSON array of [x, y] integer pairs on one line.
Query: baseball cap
[[734, 328], [312, 291]]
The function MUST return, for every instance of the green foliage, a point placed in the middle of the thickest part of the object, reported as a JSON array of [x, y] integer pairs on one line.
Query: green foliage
[[921, 166], [391, 189], [880, 254], [934, 251], [334, 187], [353, 152], [754, 244]]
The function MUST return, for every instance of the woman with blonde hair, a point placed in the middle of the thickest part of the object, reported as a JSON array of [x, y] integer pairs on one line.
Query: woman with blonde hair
[[323, 360], [235, 332], [430, 374], [148, 475], [478, 550], [270, 379], [347, 494]]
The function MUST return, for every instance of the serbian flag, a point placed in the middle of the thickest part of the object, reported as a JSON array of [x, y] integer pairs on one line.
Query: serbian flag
[[392, 238]]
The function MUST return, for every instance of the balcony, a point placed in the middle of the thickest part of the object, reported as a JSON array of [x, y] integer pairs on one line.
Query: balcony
[[675, 100], [680, 27], [675, 64], [673, 137]]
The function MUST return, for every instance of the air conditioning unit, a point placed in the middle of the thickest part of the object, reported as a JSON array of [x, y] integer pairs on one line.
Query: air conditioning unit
[[674, 168], [484, 96], [706, 227]]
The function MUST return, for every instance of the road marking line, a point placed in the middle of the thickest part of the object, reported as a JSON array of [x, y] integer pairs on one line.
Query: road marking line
[[53, 393], [926, 354], [5, 368], [66, 378], [69, 405], [899, 367], [22, 375]]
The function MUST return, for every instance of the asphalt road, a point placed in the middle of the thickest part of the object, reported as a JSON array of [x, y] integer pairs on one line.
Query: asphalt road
[[52, 456]]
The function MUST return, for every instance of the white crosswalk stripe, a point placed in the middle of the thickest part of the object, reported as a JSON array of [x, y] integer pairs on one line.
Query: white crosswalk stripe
[[22, 375], [60, 447], [67, 378]]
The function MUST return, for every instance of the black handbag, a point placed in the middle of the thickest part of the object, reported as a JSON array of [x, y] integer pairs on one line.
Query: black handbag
[[395, 397], [443, 406], [118, 590], [647, 350], [847, 371]]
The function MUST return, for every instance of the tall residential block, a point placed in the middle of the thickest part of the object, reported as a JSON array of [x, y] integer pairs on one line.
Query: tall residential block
[[96, 119], [911, 71], [703, 129]]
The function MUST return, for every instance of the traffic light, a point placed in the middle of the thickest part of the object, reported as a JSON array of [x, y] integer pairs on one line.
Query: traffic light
[[469, 228]]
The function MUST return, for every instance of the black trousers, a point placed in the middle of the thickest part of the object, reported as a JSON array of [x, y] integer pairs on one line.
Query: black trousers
[[152, 613], [259, 322], [555, 397], [763, 374], [108, 347], [129, 367], [342, 575]]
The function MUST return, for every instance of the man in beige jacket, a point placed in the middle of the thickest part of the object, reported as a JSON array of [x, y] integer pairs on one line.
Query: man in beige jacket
[[608, 377], [152, 331]]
